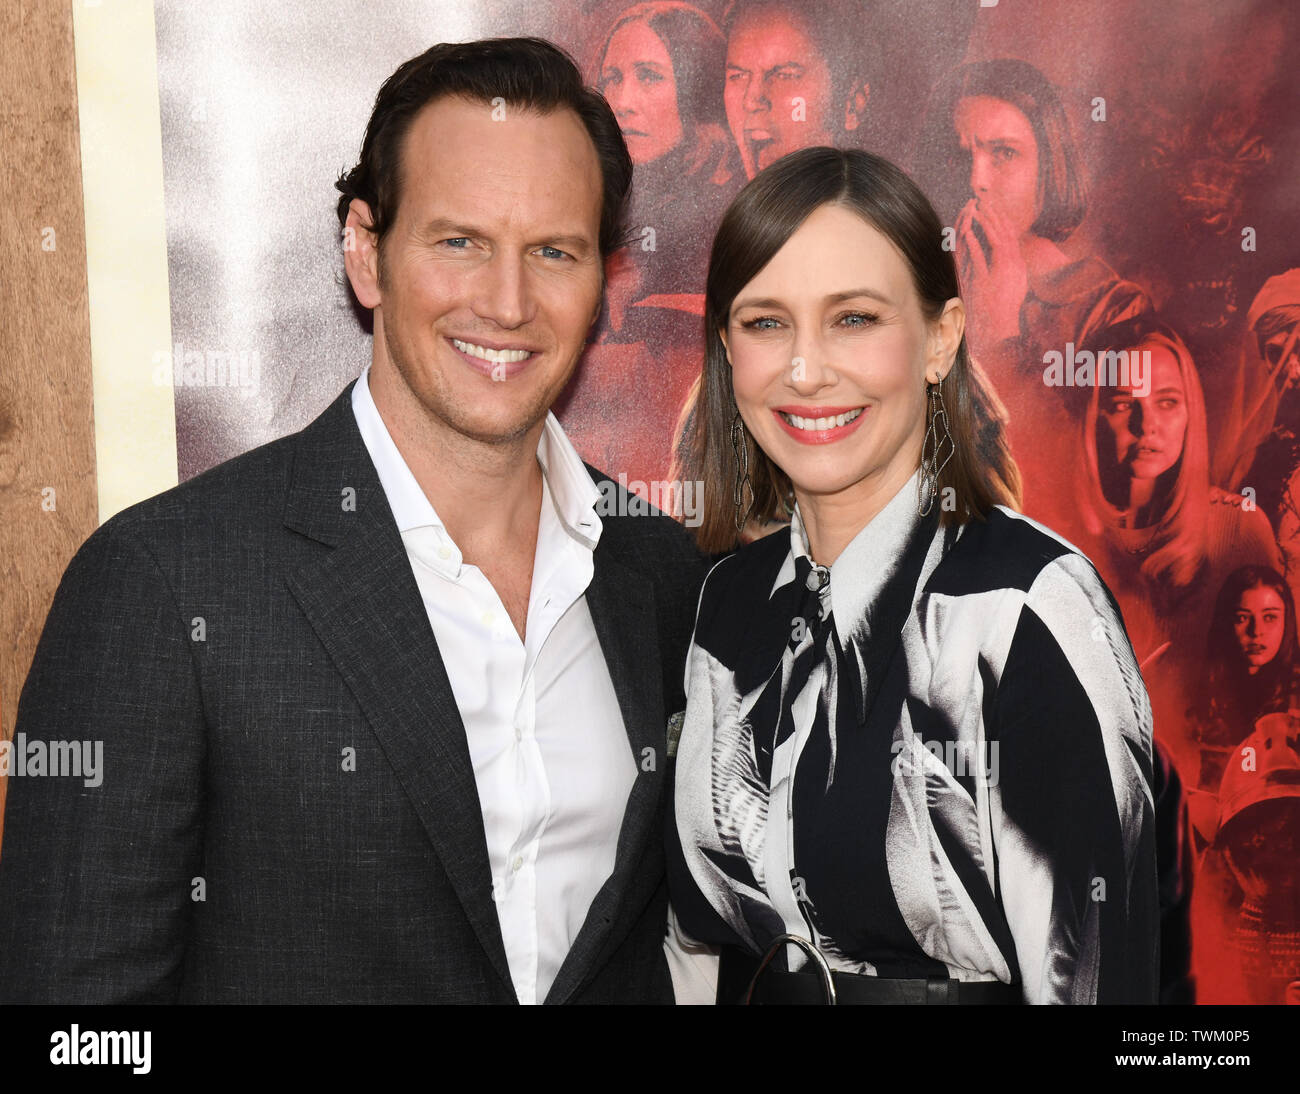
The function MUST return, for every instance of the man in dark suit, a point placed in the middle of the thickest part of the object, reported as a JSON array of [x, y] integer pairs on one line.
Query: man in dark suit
[[382, 704]]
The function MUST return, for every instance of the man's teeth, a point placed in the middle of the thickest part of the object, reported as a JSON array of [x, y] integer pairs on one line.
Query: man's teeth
[[820, 423], [496, 356]]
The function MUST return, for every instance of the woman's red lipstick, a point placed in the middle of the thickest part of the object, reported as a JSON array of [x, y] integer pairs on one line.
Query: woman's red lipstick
[[810, 414]]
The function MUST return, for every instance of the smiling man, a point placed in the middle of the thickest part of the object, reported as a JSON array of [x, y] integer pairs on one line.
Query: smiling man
[[383, 703]]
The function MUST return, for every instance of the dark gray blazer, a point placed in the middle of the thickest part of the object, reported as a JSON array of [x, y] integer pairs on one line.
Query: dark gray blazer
[[227, 641]]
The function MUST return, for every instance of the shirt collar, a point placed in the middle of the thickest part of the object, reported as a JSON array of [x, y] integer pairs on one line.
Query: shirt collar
[[411, 508], [575, 495], [871, 558], [572, 492]]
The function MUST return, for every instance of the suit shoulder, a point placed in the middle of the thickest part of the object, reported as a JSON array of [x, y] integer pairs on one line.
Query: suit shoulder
[[630, 520], [239, 498], [743, 579], [236, 486]]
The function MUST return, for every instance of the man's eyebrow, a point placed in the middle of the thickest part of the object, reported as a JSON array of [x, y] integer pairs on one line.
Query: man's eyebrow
[[575, 242], [443, 226], [793, 65], [447, 228]]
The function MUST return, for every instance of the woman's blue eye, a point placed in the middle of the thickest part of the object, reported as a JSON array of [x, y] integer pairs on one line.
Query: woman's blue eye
[[857, 319], [756, 324]]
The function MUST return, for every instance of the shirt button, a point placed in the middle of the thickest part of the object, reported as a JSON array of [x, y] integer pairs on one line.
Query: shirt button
[[444, 552], [519, 733], [517, 865], [488, 617]]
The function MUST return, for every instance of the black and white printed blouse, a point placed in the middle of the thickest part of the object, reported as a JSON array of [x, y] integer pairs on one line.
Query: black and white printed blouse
[[937, 762]]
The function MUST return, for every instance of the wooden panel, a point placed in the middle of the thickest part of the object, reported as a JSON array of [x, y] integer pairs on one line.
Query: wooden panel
[[47, 458]]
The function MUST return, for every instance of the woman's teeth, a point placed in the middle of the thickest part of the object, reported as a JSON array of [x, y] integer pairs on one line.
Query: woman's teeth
[[496, 356], [820, 424]]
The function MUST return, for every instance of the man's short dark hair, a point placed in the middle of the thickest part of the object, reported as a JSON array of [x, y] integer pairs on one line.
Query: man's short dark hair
[[523, 72]]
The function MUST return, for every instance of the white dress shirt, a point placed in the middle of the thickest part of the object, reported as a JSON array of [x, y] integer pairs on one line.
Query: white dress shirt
[[551, 756]]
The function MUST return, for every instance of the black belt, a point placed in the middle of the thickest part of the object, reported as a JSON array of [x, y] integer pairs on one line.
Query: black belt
[[778, 987]]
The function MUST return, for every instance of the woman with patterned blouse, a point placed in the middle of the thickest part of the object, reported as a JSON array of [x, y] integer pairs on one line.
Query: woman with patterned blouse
[[916, 760]]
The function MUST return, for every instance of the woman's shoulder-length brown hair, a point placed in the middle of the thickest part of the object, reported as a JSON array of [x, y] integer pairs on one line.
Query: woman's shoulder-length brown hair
[[766, 213]]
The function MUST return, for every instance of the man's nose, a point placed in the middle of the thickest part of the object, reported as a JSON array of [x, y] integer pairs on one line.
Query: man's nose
[[756, 99], [502, 291]]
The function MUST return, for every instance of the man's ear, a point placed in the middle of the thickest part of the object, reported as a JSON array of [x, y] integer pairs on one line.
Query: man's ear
[[361, 254], [945, 338], [855, 105]]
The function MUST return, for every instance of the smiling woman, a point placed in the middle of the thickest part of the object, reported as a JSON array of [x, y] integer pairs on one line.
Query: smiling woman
[[843, 670], [899, 287]]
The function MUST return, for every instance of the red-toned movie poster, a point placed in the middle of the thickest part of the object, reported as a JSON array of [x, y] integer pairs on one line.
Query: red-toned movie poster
[[1119, 178]]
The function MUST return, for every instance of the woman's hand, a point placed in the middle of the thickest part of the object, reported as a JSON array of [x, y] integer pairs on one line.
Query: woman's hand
[[995, 286]]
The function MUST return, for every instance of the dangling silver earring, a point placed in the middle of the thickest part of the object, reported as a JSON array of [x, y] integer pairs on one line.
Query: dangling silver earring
[[937, 435], [740, 449]]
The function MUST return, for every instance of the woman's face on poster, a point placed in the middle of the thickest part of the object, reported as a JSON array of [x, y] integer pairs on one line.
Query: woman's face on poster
[[1003, 153], [637, 78], [1144, 433], [829, 351], [1258, 624], [778, 89]]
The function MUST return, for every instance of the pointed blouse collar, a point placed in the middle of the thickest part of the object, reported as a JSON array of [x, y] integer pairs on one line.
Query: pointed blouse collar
[[869, 561]]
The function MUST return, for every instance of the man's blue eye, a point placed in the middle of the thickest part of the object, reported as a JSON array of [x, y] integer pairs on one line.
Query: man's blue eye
[[553, 252], [460, 242]]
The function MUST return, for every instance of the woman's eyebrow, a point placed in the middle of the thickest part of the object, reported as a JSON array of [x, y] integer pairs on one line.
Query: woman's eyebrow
[[832, 298]]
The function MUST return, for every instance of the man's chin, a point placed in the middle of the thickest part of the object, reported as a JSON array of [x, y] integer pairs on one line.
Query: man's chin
[[503, 428]]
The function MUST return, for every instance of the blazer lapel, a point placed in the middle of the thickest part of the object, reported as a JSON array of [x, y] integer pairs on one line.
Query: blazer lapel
[[362, 600], [622, 607]]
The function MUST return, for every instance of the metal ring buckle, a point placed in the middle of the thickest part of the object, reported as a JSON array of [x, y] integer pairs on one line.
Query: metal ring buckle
[[823, 969]]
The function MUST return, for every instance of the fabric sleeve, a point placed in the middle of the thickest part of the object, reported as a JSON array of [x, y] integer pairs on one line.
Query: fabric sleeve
[[693, 963], [96, 871], [1073, 810]]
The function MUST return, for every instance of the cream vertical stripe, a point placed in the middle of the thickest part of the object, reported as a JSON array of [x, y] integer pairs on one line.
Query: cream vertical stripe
[[126, 249]]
